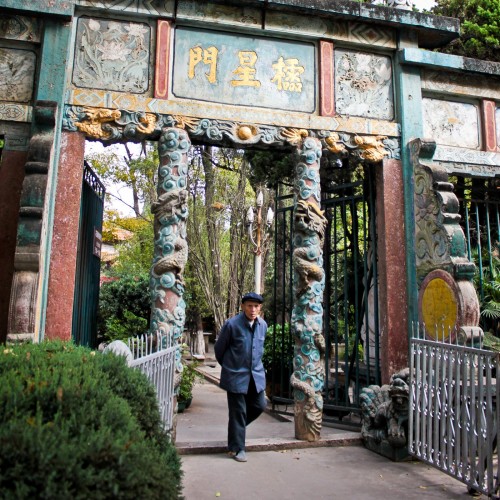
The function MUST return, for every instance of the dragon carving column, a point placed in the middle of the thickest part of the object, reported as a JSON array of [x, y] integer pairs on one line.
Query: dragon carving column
[[170, 247], [307, 318]]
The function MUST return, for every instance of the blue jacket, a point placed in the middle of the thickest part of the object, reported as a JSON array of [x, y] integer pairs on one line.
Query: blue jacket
[[239, 351]]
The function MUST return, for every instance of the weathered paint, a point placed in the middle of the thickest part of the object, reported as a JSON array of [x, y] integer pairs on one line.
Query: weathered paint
[[363, 84], [11, 179], [117, 100], [391, 268], [162, 76], [439, 304], [17, 75], [497, 123], [410, 116], [419, 57], [64, 8], [21, 28], [51, 86], [61, 286], [112, 55], [326, 78], [452, 123], [488, 109]]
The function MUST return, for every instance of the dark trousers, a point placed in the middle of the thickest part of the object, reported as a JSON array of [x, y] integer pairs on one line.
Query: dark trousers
[[243, 409]]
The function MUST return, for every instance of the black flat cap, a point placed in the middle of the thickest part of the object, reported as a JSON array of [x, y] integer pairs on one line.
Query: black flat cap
[[255, 297]]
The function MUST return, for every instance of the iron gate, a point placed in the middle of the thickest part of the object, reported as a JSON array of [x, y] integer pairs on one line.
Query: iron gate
[[454, 412], [350, 315], [88, 261]]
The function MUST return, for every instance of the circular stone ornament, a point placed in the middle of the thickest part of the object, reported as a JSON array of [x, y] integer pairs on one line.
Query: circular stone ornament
[[439, 305]]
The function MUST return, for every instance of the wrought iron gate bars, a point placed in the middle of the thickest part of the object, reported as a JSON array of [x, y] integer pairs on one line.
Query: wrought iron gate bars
[[454, 411]]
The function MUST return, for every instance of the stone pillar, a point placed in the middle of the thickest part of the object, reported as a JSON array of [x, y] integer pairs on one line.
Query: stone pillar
[[11, 181], [170, 249], [392, 297], [309, 279], [24, 307], [61, 286]]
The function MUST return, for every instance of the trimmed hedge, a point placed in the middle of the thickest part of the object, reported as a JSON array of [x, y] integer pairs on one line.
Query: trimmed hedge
[[79, 424]]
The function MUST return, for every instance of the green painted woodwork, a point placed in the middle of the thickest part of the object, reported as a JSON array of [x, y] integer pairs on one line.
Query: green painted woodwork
[[439, 60], [409, 104], [28, 232], [63, 8]]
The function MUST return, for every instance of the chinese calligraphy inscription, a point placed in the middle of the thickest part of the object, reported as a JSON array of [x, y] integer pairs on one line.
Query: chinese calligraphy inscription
[[232, 69]]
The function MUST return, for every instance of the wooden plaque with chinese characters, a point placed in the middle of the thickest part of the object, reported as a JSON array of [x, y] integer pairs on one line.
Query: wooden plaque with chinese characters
[[244, 70]]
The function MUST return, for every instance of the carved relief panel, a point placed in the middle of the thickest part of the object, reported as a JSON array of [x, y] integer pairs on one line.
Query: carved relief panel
[[21, 28], [452, 123], [363, 85], [112, 55], [17, 74]]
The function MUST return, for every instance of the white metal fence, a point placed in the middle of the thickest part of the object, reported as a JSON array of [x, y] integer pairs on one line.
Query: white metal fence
[[154, 355], [454, 411]]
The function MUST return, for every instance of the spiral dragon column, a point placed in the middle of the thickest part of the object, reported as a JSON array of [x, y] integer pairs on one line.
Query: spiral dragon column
[[170, 246], [307, 318]]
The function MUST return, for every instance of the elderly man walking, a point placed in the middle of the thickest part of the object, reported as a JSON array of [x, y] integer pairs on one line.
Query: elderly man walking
[[239, 350]]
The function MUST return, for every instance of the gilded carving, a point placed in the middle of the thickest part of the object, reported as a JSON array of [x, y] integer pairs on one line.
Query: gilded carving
[[334, 144], [372, 148], [185, 121], [295, 135], [95, 119], [138, 125]]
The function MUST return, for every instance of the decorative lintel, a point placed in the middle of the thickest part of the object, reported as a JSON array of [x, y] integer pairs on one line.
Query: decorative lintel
[[112, 125]]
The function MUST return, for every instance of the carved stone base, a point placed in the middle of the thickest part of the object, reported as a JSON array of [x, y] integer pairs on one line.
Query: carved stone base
[[307, 422]]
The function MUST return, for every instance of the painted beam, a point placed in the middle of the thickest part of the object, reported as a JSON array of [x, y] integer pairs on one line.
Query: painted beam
[[64, 8], [409, 103], [437, 60]]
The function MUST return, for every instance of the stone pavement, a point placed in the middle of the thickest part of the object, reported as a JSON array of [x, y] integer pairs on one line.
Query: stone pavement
[[281, 467]]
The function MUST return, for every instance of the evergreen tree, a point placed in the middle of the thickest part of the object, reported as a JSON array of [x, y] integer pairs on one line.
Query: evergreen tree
[[480, 27]]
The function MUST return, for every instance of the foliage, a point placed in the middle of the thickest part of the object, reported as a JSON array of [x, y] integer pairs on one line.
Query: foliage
[[480, 27], [488, 286], [124, 307], [188, 380], [270, 167], [136, 254], [278, 346], [139, 174], [220, 256], [79, 424]]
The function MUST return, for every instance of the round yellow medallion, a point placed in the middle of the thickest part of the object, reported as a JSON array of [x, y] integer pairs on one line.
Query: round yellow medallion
[[439, 306]]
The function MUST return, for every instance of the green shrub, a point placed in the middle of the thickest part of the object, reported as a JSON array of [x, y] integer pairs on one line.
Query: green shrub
[[124, 307], [278, 346], [78, 424]]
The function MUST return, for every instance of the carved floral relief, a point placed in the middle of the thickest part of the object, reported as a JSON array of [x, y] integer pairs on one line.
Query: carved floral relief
[[112, 55], [363, 85], [17, 73], [451, 123]]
